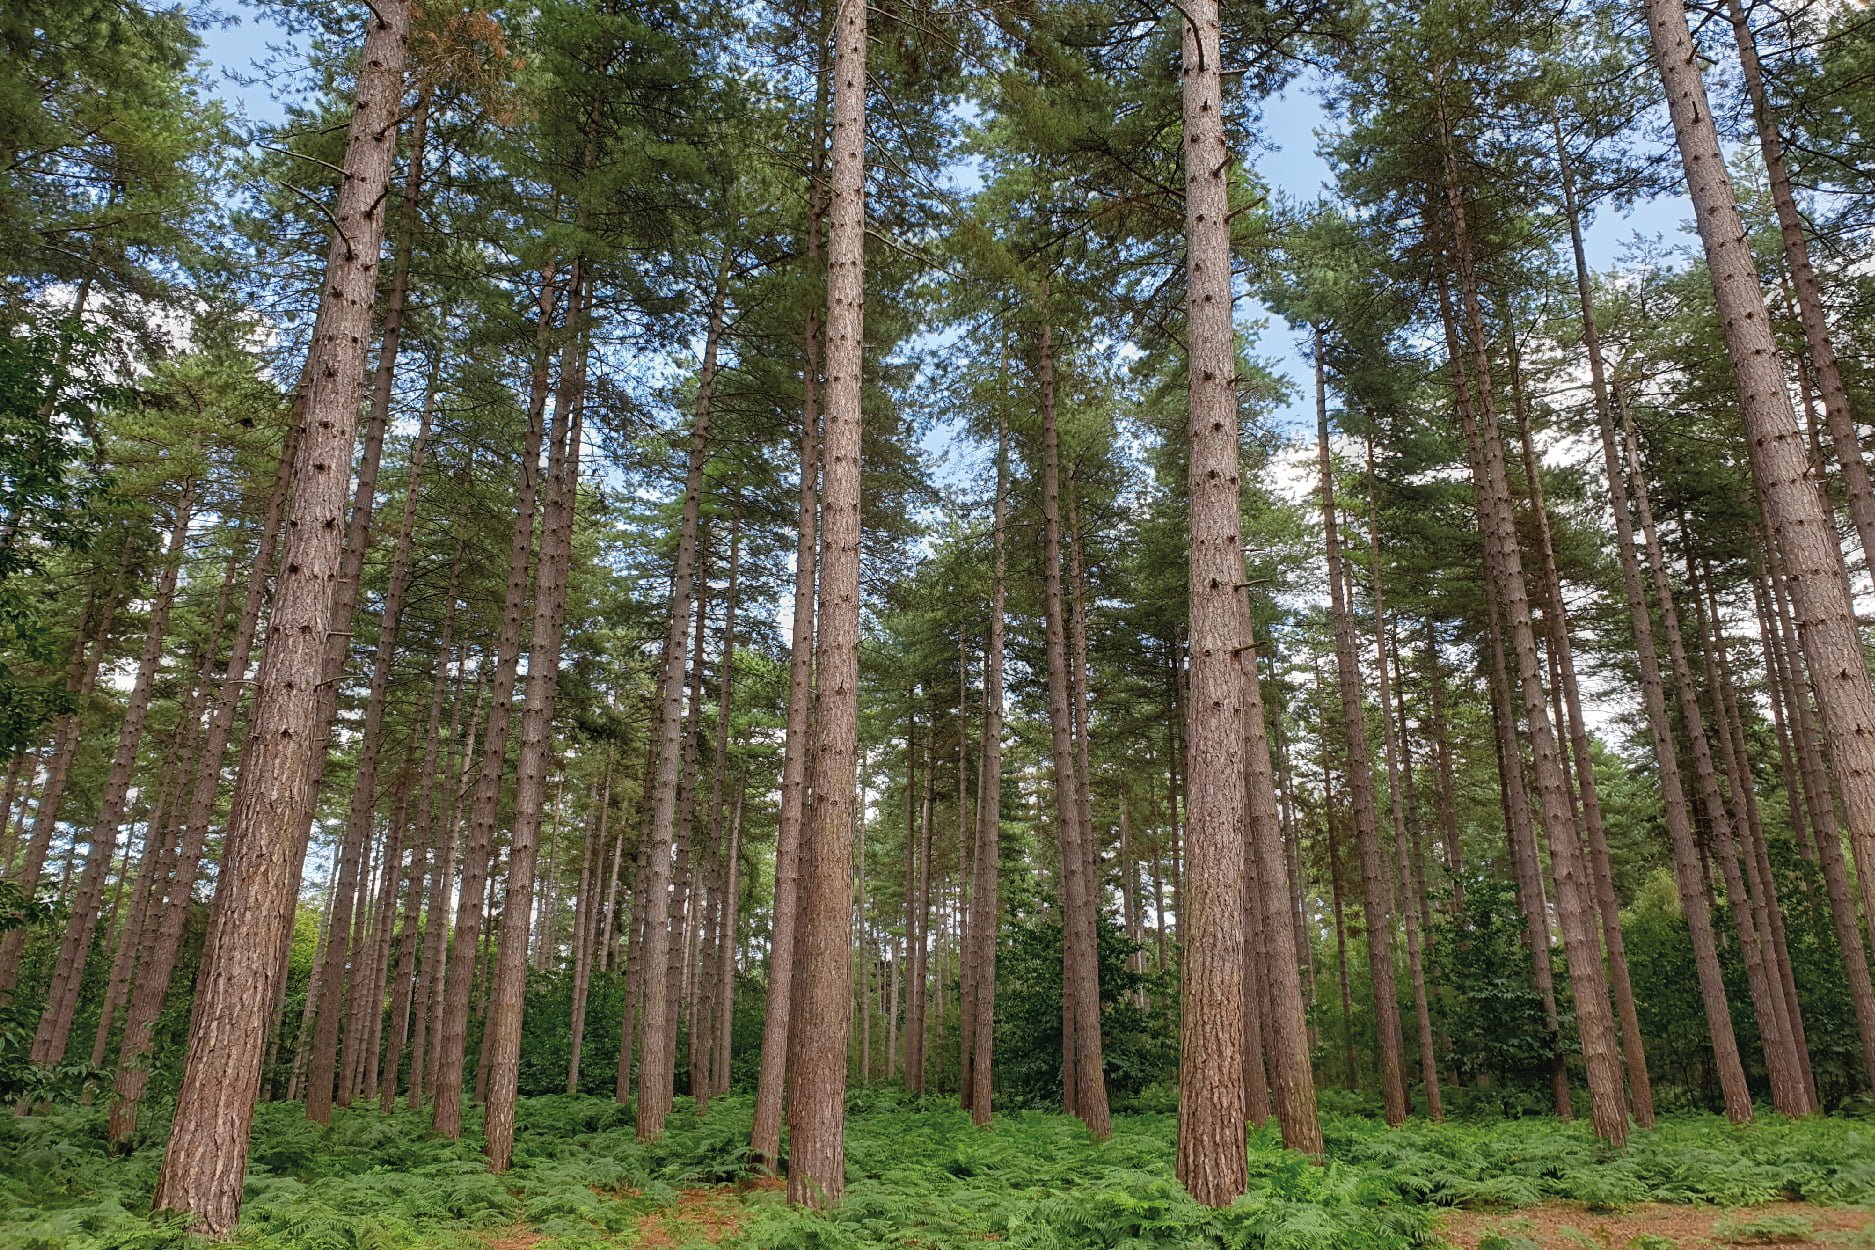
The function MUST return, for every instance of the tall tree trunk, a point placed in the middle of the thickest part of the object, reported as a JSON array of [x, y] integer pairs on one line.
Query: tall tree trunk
[[1799, 524], [1653, 692], [658, 1059], [426, 1039], [1211, 1161], [918, 926], [1403, 858], [322, 1072], [1376, 902], [765, 1135], [452, 1026], [986, 917], [1575, 911], [1601, 872], [502, 1036], [435, 846], [1079, 955], [584, 952], [205, 1162], [823, 937], [151, 987], [1781, 639], [61, 1009], [88, 651], [1788, 1088]]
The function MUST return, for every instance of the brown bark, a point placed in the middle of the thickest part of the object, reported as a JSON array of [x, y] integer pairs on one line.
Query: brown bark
[[584, 952], [1403, 857], [1594, 1019], [657, 1061], [431, 838], [1788, 1088], [765, 1135], [1601, 872], [823, 938], [426, 1036], [1376, 901], [152, 983], [1210, 1159], [205, 1162], [502, 1036], [332, 1007], [1800, 527], [986, 916], [918, 926], [452, 1026], [55, 1023], [1084, 1083], [1653, 693], [1781, 638]]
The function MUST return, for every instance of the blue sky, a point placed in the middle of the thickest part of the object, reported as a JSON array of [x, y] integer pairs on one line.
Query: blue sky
[[1290, 163]]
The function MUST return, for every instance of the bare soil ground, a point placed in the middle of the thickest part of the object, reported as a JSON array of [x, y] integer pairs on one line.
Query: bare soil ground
[[1661, 1226]]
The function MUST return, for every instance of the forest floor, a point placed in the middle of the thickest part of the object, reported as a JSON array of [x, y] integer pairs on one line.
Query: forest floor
[[926, 1179]]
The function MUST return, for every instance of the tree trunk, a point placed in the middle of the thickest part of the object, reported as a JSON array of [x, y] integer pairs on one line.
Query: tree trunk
[[502, 1035], [1788, 1088], [584, 952], [1403, 859], [151, 987], [55, 1023], [1079, 955], [765, 1136], [986, 916], [657, 1061], [1376, 903], [1594, 1019], [1793, 508], [823, 938], [426, 1038], [1211, 1161], [205, 1162], [1601, 873], [452, 1031], [1653, 694]]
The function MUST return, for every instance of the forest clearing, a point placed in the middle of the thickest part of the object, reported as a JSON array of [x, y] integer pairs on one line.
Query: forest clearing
[[844, 623]]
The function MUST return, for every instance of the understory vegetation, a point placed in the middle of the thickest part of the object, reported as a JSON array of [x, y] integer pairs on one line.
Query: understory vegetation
[[918, 1174]]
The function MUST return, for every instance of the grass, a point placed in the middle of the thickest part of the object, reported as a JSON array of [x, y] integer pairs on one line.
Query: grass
[[918, 1177]]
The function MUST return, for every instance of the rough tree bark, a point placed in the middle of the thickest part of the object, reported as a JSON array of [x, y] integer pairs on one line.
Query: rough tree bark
[[205, 1162], [823, 937]]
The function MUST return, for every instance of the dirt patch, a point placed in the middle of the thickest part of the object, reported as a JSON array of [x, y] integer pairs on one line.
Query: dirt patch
[[708, 1215], [516, 1238], [1568, 1226]]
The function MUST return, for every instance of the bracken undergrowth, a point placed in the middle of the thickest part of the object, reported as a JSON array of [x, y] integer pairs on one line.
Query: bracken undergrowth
[[919, 1176]]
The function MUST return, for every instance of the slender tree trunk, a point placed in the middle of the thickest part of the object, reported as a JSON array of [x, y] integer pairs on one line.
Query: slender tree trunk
[[55, 1023], [502, 1035], [1788, 1089], [1410, 912], [823, 937], [205, 1162], [584, 952], [918, 929], [1653, 694], [89, 649], [1594, 1018], [1799, 525], [1080, 972], [435, 845], [151, 986], [426, 1039], [1634, 1053], [765, 1137], [986, 917], [451, 1031], [1376, 903], [657, 1062]]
